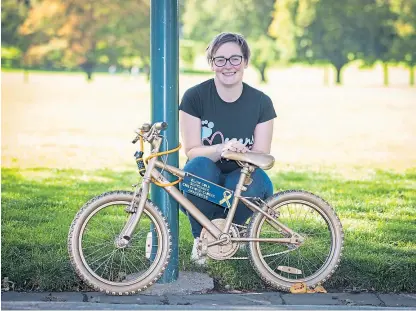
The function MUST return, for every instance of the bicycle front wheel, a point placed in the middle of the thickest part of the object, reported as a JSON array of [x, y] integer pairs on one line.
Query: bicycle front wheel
[[313, 261], [99, 259]]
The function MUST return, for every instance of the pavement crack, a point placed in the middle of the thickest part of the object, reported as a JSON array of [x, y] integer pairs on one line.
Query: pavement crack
[[84, 298], [262, 302], [283, 300], [383, 304], [165, 300]]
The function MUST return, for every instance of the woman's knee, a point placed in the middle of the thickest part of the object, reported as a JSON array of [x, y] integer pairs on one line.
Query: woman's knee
[[260, 186], [203, 167], [262, 183]]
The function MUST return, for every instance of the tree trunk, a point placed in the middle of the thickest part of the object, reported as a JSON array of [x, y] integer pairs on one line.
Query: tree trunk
[[385, 74], [326, 75], [338, 75], [262, 70], [412, 75], [25, 67], [25, 75], [88, 68], [146, 70], [89, 75]]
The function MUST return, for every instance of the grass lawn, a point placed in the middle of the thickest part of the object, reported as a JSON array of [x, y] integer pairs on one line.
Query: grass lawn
[[377, 213], [65, 140]]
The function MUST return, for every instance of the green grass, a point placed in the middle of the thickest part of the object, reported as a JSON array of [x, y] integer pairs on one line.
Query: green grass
[[377, 211]]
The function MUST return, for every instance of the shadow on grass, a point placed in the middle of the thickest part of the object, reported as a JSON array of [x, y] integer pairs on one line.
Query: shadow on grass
[[378, 214], [38, 208]]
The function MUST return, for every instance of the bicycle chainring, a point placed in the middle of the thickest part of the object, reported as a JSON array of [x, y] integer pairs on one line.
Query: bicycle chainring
[[220, 251]]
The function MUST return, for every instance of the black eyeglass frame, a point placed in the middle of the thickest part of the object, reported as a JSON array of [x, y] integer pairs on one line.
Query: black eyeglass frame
[[228, 60]]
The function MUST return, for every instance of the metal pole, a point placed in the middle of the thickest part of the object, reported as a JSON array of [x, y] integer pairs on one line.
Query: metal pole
[[164, 60]]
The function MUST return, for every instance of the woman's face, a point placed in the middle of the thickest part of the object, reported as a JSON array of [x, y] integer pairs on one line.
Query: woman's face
[[232, 71]]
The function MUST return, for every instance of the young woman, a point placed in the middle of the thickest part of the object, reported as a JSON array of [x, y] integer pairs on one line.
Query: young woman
[[220, 114]]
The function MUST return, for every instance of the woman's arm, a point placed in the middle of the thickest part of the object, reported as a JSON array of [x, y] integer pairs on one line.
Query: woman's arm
[[263, 134], [190, 127]]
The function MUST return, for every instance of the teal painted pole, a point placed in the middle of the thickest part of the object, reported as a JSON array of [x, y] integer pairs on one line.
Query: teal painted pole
[[164, 70]]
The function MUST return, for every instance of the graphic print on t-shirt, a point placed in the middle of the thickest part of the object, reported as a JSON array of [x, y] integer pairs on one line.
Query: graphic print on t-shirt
[[206, 128], [208, 137]]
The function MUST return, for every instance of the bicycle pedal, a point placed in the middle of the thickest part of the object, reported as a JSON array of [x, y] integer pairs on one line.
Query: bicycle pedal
[[290, 270], [203, 248]]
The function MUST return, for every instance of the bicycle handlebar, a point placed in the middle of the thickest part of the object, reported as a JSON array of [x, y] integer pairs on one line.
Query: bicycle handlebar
[[161, 126], [151, 130]]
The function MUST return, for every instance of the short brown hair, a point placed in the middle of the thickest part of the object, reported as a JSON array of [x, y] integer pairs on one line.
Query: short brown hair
[[225, 37]]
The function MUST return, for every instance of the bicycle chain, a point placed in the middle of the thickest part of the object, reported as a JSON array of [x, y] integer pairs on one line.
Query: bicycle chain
[[241, 230], [238, 258]]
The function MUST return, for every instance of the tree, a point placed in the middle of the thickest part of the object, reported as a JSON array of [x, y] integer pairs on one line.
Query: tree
[[13, 14], [404, 47], [380, 34], [285, 28], [264, 53], [85, 33], [335, 32], [250, 18], [187, 52]]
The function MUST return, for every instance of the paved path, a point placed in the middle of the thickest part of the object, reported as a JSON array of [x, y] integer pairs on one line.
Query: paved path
[[194, 291], [208, 301]]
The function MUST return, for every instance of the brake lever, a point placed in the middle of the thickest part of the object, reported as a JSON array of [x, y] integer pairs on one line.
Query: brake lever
[[136, 139]]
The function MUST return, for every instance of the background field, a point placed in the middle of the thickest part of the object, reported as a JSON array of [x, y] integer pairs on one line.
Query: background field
[[64, 122], [65, 140]]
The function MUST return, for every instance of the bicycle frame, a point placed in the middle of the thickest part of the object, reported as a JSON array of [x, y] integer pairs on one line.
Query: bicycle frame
[[153, 172]]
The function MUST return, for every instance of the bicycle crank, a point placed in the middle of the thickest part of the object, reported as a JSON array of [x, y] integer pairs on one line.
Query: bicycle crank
[[223, 250]]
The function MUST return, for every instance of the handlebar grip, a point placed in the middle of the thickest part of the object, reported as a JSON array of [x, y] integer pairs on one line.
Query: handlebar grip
[[160, 126]]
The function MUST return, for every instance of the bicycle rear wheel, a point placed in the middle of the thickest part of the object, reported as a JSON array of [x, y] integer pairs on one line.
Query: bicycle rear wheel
[[101, 262], [315, 260]]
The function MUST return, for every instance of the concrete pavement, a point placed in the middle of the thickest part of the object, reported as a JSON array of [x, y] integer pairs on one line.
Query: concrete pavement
[[207, 301], [194, 291]]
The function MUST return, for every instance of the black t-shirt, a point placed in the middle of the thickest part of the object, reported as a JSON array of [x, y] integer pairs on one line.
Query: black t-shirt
[[222, 121]]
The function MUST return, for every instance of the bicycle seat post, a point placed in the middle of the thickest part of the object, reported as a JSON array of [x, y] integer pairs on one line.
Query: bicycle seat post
[[245, 173]]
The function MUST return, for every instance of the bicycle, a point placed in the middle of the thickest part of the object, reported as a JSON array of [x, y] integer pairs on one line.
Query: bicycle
[[120, 243]]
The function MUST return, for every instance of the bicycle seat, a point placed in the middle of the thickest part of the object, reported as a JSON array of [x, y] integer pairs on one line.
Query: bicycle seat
[[262, 160]]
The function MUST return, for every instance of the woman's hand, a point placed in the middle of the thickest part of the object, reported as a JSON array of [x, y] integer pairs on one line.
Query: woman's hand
[[234, 145]]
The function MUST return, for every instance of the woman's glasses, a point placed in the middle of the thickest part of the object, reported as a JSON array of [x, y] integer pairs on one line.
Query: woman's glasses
[[221, 61]]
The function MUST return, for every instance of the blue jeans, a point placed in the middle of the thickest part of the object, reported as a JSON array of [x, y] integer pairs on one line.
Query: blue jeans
[[205, 168]]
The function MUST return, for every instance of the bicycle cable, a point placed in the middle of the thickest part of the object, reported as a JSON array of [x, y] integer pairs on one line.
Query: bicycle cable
[[164, 163]]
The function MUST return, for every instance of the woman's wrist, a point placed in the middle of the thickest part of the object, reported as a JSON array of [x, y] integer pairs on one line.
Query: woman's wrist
[[219, 148]]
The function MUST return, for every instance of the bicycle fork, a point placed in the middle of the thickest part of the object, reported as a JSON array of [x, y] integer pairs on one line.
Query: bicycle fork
[[126, 233]]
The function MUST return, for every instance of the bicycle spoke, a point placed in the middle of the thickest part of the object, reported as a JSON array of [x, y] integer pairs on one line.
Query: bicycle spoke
[[308, 257], [107, 260], [101, 252], [105, 256]]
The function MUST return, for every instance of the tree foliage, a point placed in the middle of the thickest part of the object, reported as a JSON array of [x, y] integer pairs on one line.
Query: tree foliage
[[404, 47], [86, 33], [202, 20], [13, 14], [333, 31]]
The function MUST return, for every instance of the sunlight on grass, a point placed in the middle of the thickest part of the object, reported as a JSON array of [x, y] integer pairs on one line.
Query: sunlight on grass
[[360, 225], [380, 239]]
